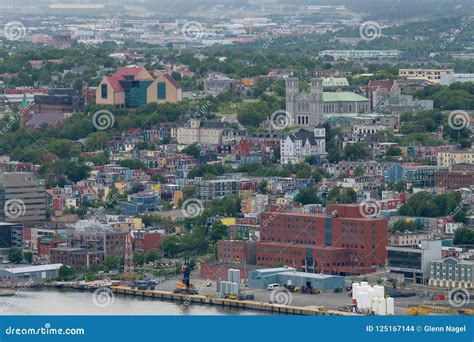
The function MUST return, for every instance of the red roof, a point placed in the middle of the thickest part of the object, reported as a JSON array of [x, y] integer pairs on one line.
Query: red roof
[[172, 81], [384, 84], [115, 83], [128, 71], [16, 91]]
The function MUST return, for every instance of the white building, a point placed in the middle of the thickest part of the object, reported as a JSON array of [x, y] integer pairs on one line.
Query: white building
[[297, 146], [448, 79]]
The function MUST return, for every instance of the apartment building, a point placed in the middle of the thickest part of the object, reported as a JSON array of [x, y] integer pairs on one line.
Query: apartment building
[[431, 75], [23, 199]]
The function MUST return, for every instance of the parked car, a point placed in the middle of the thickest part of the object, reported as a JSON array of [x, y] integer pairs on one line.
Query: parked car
[[273, 286]]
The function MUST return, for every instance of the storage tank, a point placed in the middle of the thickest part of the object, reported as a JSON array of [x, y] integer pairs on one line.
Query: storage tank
[[375, 305], [390, 306], [235, 288], [355, 290], [382, 306], [230, 275], [236, 277], [380, 290], [363, 302]]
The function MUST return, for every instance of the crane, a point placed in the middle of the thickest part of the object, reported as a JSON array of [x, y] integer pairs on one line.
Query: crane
[[185, 286]]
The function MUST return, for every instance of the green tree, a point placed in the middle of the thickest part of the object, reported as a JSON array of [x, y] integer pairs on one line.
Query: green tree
[[65, 272], [151, 256], [28, 256], [308, 196], [15, 255], [193, 150]]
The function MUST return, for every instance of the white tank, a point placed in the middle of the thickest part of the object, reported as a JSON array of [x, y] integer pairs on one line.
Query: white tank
[[355, 290], [235, 288], [371, 293], [361, 297], [364, 284], [390, 306], [382, 307], [380, 290], [230, 274], [375, 306]]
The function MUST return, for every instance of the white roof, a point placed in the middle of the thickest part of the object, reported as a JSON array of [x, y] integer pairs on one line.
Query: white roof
[[30, 269]]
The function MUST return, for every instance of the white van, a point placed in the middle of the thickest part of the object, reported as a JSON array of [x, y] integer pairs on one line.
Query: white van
[[273, 286]]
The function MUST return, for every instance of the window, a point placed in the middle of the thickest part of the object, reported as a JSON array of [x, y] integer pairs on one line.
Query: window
[[103, 91], [161, 91]]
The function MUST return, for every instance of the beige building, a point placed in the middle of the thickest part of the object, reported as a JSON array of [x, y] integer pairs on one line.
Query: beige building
[[448, 159], [432, 75], [201, 132], [408, 238], [131, 87], [22, 198]]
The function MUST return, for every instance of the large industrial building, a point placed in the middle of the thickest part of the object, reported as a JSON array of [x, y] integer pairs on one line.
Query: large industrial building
[[30, 273], [341, 242], [289, 276]]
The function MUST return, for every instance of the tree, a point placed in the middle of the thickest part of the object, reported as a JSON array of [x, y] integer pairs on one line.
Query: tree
[[111, 263], [138, 258], [463, 236], [151, 256], [28, 256], [308, 196], [65, 272], [262, 187], [355, 151], [15, 255], [193, 150]]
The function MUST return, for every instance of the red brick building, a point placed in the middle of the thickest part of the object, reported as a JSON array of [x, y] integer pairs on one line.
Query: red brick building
[[342, 242], [236, 251], [147, 241], [454, 179]]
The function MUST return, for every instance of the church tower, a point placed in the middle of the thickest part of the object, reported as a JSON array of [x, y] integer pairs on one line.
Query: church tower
[[316, 103], [292, 85]]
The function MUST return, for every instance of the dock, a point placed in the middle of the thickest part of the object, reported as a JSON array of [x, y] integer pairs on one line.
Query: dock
[[230, 303]]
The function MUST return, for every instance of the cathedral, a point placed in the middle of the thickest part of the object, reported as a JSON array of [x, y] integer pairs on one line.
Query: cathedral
[[308, 108]]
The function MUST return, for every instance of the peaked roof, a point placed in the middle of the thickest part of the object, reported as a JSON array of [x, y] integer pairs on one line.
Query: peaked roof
[[128, 71], [384, 84], [172, 80]]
